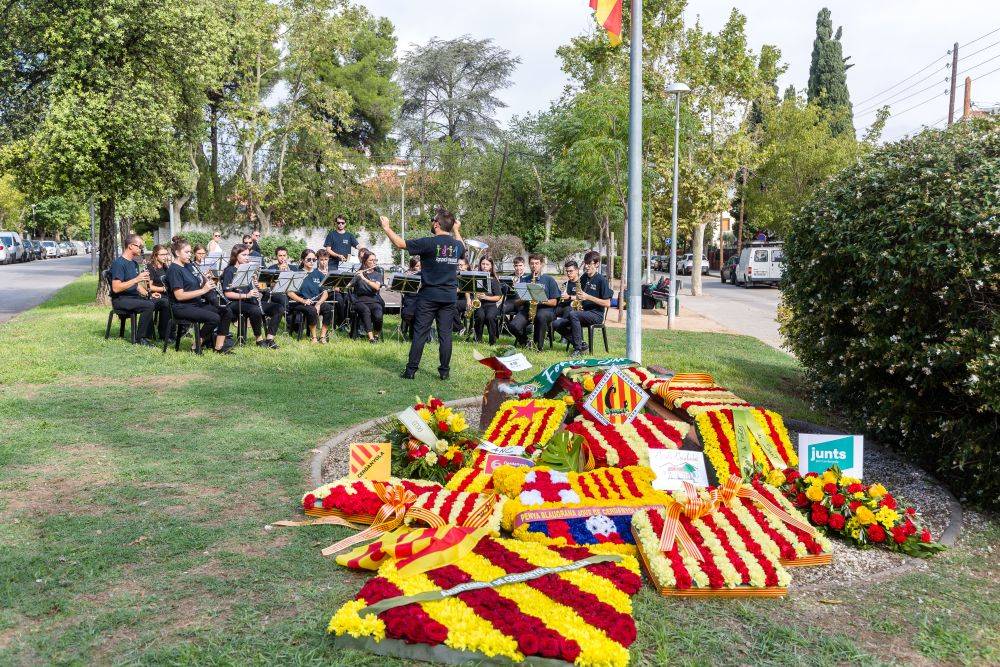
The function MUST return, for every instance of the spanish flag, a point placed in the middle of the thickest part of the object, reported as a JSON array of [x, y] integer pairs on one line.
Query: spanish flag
[[609, 16]]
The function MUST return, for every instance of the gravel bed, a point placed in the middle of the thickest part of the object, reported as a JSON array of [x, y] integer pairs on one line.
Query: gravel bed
[[851, 565]]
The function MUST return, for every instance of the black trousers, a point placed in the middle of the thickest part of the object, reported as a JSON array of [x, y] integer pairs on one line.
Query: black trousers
[[140, 306], [369, 314], [162, 306], [215, 320], [519, 325], [312, 317], [461, 309], [571, 326], [487, 314], [427, 313], [341, 306], [256, 314]]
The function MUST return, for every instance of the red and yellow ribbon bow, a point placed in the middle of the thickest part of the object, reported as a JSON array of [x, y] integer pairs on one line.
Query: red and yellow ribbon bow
[[396, 500], [735, 488], [693, 507]]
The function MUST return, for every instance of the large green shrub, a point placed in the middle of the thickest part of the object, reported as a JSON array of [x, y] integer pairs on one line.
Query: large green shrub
[[295, 246], [893, 281]]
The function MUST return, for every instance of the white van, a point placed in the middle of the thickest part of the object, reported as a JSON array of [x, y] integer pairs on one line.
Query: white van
[[760, 264]]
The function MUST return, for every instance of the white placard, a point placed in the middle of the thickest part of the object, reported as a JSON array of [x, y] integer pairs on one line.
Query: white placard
[[511, 450], [417, 427], [819, 451], [673, 467], [515, 362]]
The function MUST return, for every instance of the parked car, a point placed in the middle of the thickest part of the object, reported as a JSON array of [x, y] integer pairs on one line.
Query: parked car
[[90, 246], [79, 246], [14, 249], [64, 248], [685, 265], [36, 245], [728, 270], [761, 264], [29, 251], [51, 249]]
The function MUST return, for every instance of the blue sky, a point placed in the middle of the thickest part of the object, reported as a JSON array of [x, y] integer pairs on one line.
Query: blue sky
[[888, 41]]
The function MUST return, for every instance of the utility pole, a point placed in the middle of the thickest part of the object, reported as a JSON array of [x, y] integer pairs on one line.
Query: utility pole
[[496, 193], [954, 78], [632, 266]]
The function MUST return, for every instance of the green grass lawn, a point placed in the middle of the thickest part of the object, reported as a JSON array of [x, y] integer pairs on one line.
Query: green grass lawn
[[134, 488]]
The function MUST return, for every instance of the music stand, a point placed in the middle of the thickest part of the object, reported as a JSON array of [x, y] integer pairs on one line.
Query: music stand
[[338, 280], [531, 292], [268, 277], [212, 263], [470, 282], [404, 284]]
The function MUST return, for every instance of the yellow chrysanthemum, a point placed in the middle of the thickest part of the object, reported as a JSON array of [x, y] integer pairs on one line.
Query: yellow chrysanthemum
[[815, 493], [876, 491], [829, 477], [425, 414], [887, 517], [775, 478], [568, 400], [856, 533], [457, 423], [865, 516], [588, 383]]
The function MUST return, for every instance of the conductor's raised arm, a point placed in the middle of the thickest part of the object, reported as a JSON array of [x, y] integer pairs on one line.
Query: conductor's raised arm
[[395, 238]]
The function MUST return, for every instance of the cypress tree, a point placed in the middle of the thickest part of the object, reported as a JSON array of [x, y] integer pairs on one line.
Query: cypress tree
[[828, 75]]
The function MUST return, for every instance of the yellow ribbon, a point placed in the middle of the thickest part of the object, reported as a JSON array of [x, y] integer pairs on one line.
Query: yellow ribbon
[[693, 507], [396, 501], [735, 488]]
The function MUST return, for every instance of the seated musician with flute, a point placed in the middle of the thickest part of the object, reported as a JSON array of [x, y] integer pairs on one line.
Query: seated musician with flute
[[310, 299], [157, 267], [246, 300], [189, 290], [126, 294]]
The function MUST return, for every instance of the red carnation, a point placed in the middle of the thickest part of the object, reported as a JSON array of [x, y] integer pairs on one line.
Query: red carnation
[[855, 504], [830, 487], [817, 506], [524, 395], [925, 535], [837, 499], [443, 427], [436, 403], [309, 501], [570, 650], [836, 521], [876, 533], [329, 502], [899, 534], [550, 646], [527, 644], [801, 500], [820, 516], [436, 633], [812, 474], [911, 511], [855, 488], [791, 475], [888, 501], [910, 528]]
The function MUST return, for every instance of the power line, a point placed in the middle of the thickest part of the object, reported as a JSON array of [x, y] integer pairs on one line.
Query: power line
[[985, 48], [972, 67], [919, 71], [995, 30], [919, 104], [882, 104]]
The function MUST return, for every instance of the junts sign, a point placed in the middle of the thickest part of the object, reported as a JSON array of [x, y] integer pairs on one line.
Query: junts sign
[[818, 453]]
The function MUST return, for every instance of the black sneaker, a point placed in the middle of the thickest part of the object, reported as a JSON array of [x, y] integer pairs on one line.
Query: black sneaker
[[145, 342], [263, 343], [577, 353], [224, 350], [444, 375], [270, 342], [407, 375]]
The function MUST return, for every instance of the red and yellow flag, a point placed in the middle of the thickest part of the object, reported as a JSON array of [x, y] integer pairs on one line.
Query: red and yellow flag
[[609, 17]]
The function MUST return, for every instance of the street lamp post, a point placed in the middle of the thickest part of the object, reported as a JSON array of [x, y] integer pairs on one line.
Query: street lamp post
[[633, 286], [402, 215], [675, 89]]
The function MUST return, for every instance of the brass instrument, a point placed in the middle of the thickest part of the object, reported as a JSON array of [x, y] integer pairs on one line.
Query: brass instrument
[[145, 285], [576, 303], [533, 305]]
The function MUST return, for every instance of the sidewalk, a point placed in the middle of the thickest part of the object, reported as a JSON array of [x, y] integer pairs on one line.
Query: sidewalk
[[688, 320]]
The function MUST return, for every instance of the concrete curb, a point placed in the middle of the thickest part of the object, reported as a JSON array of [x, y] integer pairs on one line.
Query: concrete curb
[[948, 537], [951, 532], [321, 452]]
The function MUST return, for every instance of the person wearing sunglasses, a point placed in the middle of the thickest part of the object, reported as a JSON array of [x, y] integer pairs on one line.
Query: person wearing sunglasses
[[215, 245], [339, 242], [310, 299], [157, 267], [126, 294]]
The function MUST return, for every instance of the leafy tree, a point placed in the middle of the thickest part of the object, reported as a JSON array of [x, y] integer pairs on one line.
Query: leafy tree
[[799, 152], [107, 89], [559, 250], [450, 90], [58, 216], [828, 74], [12, 204]]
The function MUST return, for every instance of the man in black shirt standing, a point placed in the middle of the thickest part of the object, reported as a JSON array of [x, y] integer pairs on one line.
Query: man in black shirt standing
[[439, 255], [595, 294], [339, 243], [125, 293]]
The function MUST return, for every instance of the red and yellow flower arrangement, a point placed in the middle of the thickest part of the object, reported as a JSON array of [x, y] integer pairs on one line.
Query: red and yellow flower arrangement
[[581, 616], [770, 447], [619, 446], [525, 422], [356, 500], [866, 514], [414, 459], [694, 393]]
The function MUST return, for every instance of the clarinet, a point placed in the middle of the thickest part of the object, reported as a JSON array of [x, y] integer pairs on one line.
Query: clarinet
[[218, 288]]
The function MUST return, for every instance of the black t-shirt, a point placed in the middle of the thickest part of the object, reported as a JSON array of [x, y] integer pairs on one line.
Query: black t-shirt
[[495, 288], [157, 275], [552, 290], [228, 275], [439, 257], [255, 249], [125, 270], [182, 277], [340, 243], [364, 290], [312, 285], [596, 285]]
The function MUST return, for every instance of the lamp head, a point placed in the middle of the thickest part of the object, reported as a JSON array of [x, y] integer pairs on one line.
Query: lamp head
[[678, 88]]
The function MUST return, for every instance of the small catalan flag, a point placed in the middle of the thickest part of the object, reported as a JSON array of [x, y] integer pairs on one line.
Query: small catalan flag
[[609, 17], [370, 460]]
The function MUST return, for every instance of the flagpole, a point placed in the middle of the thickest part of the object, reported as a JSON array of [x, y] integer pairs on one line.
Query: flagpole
[[633, 319]]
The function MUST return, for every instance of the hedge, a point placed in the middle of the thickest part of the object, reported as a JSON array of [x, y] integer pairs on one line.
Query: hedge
[[893, 285]]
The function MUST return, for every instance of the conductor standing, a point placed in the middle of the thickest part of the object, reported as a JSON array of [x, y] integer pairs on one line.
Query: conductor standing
[[439, 255]]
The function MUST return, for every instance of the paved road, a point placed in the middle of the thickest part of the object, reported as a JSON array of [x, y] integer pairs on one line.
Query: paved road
[[24, 286], [750, 311]]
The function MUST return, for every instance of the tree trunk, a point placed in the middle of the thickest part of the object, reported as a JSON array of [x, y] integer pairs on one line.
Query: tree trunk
[[699, 243], [106, 246], [124, 227]]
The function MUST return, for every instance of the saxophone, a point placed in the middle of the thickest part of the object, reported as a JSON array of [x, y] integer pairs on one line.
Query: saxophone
[[576, 303], [533, 305]]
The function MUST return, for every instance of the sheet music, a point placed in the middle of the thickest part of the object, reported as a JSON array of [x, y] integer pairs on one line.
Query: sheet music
[[283, 282], [296, 282], [244, 276], [530, 292]]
